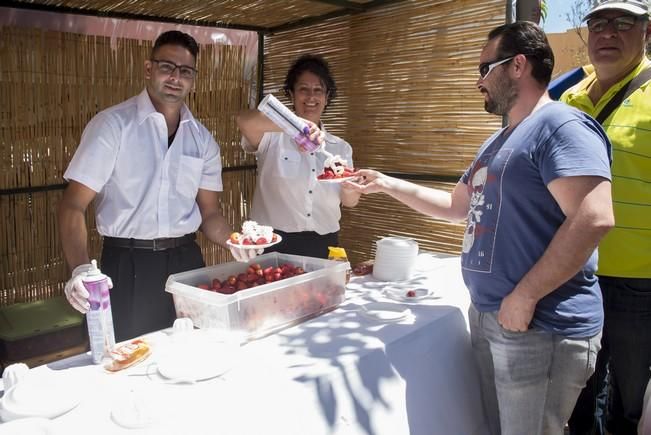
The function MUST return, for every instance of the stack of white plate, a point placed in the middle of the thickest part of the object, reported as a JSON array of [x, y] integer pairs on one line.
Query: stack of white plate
[[395, 258]]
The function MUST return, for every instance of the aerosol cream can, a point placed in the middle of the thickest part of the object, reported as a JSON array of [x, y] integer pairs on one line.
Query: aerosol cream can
[[99, 316]]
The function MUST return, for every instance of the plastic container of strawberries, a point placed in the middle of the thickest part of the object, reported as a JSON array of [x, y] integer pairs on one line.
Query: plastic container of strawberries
[[264, 309]]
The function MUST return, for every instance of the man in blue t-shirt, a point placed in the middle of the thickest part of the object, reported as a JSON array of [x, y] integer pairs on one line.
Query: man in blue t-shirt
[[537, 201]]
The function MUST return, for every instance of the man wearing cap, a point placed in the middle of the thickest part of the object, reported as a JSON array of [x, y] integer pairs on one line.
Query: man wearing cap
[[619, 32]]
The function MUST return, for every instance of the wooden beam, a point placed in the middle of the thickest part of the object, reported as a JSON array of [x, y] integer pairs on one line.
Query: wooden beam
[[304, 22], [260, 72], [346, 4], [128, 16]]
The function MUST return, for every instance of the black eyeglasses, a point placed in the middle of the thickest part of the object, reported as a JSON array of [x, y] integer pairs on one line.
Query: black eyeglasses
[[167, 67], [486, 67], [622, 23]]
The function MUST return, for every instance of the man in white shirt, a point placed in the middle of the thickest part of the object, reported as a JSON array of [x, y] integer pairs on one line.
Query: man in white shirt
[[155, 174]]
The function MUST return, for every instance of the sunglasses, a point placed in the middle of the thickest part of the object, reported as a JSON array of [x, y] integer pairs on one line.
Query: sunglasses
[[486, 67], [621, 24]]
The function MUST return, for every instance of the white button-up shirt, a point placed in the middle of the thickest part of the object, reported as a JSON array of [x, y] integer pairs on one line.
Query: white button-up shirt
[[145, 190], [288, 195]]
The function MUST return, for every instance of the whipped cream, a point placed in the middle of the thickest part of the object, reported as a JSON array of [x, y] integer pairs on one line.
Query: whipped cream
[[253, 231], [336, 164]]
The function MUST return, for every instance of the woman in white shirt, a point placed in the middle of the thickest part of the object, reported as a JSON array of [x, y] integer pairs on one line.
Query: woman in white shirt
[[288, 196]]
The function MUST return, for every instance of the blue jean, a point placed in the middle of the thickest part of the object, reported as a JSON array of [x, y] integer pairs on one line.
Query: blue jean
[[529, 380]]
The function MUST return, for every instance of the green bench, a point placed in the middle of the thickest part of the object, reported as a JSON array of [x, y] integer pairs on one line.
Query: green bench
[[35, 332]]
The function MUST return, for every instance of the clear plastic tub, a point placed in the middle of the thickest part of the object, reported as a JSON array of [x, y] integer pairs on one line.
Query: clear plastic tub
[[264, 309]]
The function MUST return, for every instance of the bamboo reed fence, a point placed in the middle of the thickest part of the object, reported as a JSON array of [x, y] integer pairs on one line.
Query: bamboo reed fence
[[51, 84], [408, 103], [258, 13]]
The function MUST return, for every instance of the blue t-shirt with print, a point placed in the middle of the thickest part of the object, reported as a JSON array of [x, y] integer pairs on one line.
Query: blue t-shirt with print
[[513, 216]]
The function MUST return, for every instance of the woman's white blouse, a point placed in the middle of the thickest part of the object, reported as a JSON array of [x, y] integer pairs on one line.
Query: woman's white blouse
[[288, 195]]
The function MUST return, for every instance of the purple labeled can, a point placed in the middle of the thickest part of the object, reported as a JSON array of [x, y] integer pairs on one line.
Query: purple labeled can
[[99, 316]]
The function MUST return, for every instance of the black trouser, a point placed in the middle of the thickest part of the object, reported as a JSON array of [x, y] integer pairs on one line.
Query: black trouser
[[139, 301], [614, 399], [307, 243]]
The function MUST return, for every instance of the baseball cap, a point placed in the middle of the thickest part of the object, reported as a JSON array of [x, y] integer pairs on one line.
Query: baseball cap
[[633, 7]]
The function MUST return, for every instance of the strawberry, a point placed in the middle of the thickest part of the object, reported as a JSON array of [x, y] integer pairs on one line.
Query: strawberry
[[411, 294], [247, 242], [261, 241], [227, 290]]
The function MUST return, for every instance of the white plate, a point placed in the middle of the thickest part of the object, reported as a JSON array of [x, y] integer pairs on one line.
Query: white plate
[[193, 360], [335, 180], [133, 411], [47, 396], [31, 425], [266, 245], [385, 312], [400, 293]]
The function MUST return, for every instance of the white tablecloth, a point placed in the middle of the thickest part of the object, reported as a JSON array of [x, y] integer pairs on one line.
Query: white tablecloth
[[340, 373]]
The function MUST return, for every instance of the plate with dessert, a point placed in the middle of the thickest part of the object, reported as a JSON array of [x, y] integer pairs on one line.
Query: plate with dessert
[[336, 171], [336, 180], [407, 293], [254, 236]]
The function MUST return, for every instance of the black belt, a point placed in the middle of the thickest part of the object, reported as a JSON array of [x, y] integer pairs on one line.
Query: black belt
[[152, 245]]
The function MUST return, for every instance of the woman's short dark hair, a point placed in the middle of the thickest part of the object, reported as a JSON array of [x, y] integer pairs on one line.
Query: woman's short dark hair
[[524, 37], [175, 37], [318, 66]]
